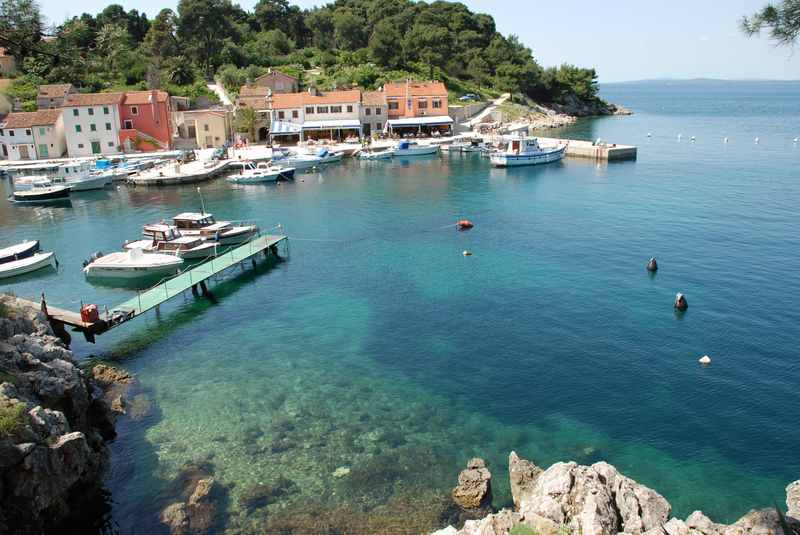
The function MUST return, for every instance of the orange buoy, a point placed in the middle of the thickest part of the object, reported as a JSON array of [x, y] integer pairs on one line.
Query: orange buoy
[[464, 224]]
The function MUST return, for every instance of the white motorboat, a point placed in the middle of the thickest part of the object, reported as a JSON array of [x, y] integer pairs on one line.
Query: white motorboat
[[19, 251], [526, 151], [132, 264], [78, 176], [165, 239], [27, 265], [252, 173], [41, 191], [306, 161], [205, 226], [412, 148], [375, 155]]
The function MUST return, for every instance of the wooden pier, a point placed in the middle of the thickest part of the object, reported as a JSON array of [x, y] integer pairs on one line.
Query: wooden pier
[[192, 279]]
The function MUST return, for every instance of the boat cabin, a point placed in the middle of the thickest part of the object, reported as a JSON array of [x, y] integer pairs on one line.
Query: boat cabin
[[522, 146], [204, 224], [168, 238], [75, 170]]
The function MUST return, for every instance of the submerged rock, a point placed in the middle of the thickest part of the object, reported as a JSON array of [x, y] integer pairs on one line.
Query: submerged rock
[[264, 494], [474, 490]]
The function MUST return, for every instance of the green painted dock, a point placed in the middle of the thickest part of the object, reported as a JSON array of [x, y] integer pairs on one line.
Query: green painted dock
[[192, 279]]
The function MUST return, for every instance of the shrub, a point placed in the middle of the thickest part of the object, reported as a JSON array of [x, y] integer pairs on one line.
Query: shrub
[[522, 529], [12, 419]]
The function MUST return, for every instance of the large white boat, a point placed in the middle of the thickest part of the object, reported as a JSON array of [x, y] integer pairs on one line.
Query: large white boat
[[412, 148], [253, 173], [78, 176], [165, 239], [132, 264], [205, 226], [36, 261], [526, 151]]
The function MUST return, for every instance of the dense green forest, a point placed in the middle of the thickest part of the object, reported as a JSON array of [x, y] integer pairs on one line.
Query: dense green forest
[[347, 42]]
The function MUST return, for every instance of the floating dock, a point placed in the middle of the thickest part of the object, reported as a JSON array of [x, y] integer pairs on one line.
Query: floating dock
[[192, 279]]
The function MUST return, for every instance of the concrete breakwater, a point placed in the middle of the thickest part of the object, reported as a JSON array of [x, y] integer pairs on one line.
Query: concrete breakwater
[[569, 498]]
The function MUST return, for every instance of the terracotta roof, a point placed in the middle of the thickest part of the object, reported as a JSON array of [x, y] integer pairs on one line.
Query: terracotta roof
[[54, 90], [275, 72], [257, 103], [143, 97], [421, 89], [92, 99], [253, 91], [373, 98], [296, 100], [31, 118]]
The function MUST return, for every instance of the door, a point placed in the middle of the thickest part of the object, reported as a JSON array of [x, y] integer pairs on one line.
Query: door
[[23, 152], [43, 153], [209, 142], [96, 147], [262, 133]]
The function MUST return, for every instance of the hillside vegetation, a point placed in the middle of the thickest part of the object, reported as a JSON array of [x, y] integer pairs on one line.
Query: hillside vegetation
[[347, 42]]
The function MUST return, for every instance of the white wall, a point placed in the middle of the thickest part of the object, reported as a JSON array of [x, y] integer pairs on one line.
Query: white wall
[[12, 143], [80, 143], [53, 137], [302, 116]]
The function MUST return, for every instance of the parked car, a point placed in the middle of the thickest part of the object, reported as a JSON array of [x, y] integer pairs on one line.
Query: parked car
[[468, 97]]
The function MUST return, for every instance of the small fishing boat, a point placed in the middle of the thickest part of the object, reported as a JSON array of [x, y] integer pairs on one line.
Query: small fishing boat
[[526, 151], [132, 264], [375, 155], [41, 191], [28, 264], [165, 239], [19, 251], [412, 148], [78, 176], [252, 173], [306, 161], [205, 226]]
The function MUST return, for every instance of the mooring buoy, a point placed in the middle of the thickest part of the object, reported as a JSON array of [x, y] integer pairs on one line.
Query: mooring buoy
[[652, 265], [467, 253], [705, 360], [680, 302]]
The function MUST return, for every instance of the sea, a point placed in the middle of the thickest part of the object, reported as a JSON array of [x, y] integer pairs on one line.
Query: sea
[[342, 389]]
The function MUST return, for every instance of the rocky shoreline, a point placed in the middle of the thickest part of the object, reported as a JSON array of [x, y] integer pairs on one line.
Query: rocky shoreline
[[569, 498], [552, 115], [54, 428]]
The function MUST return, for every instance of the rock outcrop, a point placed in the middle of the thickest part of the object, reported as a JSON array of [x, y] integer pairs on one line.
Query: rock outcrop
[[598, 500], [197, 511], [474, 490], [53, 429]]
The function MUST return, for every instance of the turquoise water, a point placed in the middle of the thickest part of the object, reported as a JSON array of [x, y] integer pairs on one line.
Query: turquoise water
[[379, 348]]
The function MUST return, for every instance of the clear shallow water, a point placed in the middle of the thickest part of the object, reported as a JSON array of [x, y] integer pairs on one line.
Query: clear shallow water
[[379, 347]]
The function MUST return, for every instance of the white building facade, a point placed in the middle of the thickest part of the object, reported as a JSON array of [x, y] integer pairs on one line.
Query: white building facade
[[92, 123], [334, 114], [32, 135]]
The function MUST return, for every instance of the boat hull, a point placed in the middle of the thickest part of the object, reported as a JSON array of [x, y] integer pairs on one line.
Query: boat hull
[[417, 151], [90, 184], [515, 160], [385, 155], [27, 265], [33, 196], [128, 272], [18, 252]]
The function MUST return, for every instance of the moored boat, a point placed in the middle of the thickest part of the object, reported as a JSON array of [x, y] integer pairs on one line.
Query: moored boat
[[375, 155], [132, 264], [28, 264], [165, 239], [207, 227], [412, 148], [41, 191], [19, 251], [78, 176], [306, 161], [252, 173], [526, 151]]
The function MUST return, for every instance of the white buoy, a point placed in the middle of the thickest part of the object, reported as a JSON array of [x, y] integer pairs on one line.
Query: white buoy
[[691, 139], [705, 360], [680, 136], [649, 134], [756, 141], [796, 139], [467, 253], [725, 139]]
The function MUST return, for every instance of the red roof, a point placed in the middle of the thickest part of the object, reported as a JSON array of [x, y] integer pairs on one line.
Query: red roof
[[145, 97], [54, 90], [31, 118], [297, 100], [415, 89], [92, 99]]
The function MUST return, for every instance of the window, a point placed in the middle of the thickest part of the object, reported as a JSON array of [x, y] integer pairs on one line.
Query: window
[[108, 126], [27, 132], [75, 112], [309, 110], [377, 111], [436, 103], [349, 109], [394, 105], [105, 110], [1, 132], [91, 111], [93, 127], [281, 115], [409, 105], [128, 124], [134, 110], [336, 109], [41, 131], [11, 133], [295, 114], [378, 126], [422, 104], [80, 145], [77, 128], [322, 109], [367, 111], [110, 143], [278, 85], [205, 128]]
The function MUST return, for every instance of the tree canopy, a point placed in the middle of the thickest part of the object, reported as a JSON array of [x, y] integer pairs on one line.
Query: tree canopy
[[782, 20], [342, 43]]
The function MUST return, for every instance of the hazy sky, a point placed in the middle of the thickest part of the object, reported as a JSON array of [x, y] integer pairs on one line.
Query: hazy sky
[[623, 39]]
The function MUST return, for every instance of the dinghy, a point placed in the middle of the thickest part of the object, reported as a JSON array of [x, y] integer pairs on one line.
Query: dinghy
[[19, 251], [27, 265]]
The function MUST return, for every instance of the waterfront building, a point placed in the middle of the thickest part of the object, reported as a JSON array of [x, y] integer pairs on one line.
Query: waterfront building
[[257, 98], [92, 123], [209, 128], [32, 135], [146, 118], [316, 115], [417, 107], [51, 96], [374, 112]]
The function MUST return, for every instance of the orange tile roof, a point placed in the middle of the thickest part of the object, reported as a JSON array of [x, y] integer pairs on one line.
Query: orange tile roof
[[257, 103], [417, 89], [31, 118], [92, 99], [143, 97], [374, 98], [275, 72], [253, 91], [54, 90], [297, 100]]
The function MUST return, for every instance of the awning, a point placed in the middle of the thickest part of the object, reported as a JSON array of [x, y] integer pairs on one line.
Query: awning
[[335, 124], [421, 121], [278, 128]]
